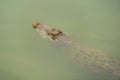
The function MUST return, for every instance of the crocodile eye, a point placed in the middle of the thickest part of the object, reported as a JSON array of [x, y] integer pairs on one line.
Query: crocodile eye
[[55, 31]]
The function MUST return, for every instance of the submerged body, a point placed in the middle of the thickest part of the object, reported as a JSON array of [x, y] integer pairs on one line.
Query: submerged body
[[80, 54]]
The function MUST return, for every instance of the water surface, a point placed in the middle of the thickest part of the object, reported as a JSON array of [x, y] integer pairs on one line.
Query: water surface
[[26, 56]]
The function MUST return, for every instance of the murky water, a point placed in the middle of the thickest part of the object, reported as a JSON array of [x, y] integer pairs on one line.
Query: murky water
[[26, 56]]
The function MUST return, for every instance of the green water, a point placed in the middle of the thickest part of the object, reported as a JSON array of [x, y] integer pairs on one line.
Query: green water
[[24, 55]]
